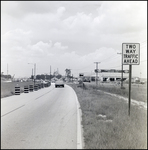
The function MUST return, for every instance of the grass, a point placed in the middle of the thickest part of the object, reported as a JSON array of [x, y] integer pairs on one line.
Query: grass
[[116, 130], [138, 91]]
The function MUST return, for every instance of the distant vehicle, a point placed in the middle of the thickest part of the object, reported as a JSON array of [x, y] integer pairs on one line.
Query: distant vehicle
[[134, 80], [59, 83], [86, 80], [142, 82]]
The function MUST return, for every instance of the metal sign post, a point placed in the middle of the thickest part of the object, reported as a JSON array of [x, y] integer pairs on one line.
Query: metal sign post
[[130, 56], [129, 98]]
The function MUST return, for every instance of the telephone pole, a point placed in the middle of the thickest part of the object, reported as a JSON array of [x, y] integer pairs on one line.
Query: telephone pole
[[7, 71], [34, 71], [32, 74], [97, 73], [50, 73], [121, 72]]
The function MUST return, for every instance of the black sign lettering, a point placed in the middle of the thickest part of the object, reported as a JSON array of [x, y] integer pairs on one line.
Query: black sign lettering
[[134, 46], [136, 56], [134, 51], [127, 51]]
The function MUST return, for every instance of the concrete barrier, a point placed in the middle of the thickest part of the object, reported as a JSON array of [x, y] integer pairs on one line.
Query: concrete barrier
[[17, 90], [36, 87], [26, 89], [39, 86], [42, 85], [31, 88]]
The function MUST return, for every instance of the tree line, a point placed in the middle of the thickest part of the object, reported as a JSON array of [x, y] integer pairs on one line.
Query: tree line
[[5, 76], [46, 77]]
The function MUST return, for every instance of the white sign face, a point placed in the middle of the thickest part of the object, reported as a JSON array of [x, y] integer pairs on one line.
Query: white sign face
[[130, 53]]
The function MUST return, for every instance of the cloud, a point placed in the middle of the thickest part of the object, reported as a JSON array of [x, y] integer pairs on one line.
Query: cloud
[[59, 46], [17, 44], [15, 40], [29, 7], [61, 10], [14, 36], [121, 17], [79, 21]]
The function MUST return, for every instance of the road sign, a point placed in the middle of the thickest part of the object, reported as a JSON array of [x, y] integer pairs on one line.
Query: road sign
[[113, 71], [130, 56], [96, 70], [81, 74], [130, 53]]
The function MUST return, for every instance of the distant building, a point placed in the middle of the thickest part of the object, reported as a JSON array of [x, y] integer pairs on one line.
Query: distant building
[[133, 80], [108, 76]]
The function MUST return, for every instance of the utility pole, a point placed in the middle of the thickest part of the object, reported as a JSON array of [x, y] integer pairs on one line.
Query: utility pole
[[7, 71], [96, 73], [121, 72], [57, 71], [50, 73], [34, 72]]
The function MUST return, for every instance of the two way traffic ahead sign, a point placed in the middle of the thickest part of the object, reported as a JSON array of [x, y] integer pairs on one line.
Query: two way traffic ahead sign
[[130, 53], [130, 56]]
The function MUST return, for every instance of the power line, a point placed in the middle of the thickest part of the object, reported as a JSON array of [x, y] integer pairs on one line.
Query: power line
[[110, 59], [107, 58], [82, 68]]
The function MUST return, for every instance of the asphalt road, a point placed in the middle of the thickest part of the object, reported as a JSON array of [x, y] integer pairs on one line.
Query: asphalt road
[[43, 119]]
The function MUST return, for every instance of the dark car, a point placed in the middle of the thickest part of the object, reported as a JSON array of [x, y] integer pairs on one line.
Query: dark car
[[59, 83], [86, 80]]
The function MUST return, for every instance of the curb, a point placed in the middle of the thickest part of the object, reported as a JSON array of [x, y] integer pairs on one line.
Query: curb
[[80, 140]]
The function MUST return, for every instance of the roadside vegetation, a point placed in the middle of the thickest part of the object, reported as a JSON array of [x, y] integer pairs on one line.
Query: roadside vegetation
[[138, 91], [105, 119]]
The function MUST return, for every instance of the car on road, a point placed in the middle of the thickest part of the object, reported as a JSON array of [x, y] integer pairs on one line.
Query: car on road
[[59, 83], [86, 80]]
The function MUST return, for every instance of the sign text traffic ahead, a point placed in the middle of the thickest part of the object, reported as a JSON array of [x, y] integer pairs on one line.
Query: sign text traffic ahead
[[130, 53]]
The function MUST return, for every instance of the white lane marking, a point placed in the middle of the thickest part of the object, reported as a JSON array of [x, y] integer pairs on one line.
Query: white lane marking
[[12, 110]]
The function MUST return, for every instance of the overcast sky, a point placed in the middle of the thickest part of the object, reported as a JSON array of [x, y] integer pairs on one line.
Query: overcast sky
[[70, 34]]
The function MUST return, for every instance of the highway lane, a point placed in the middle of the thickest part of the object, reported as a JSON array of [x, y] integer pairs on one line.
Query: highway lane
[[43, 119]]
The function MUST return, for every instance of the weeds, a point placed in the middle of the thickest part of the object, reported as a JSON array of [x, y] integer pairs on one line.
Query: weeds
[[106, 122]]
